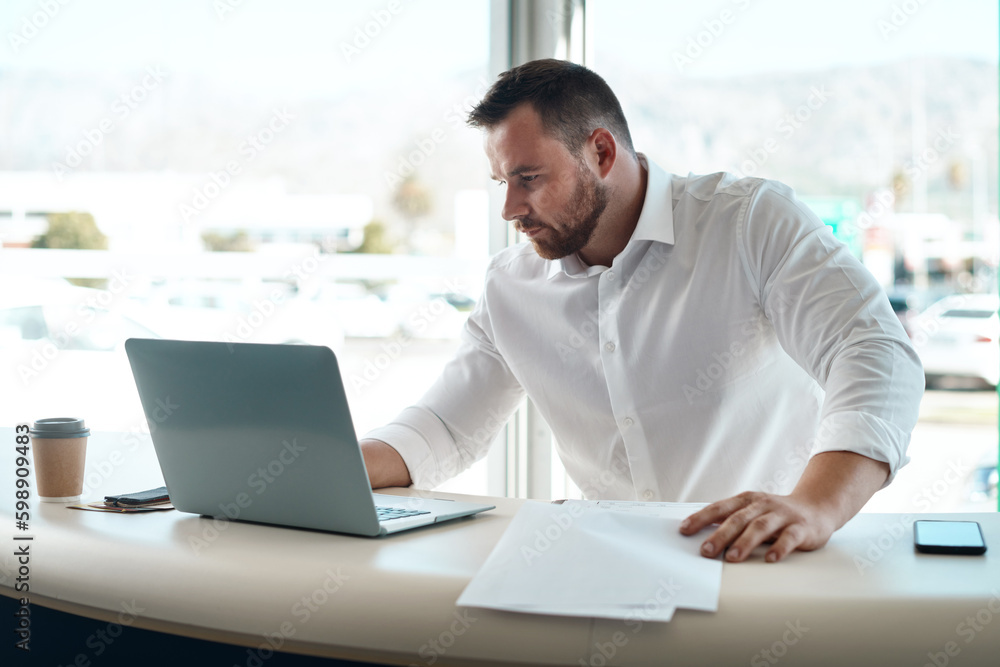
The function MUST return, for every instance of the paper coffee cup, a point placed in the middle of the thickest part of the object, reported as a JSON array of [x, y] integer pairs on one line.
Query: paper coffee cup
[[59, 451]]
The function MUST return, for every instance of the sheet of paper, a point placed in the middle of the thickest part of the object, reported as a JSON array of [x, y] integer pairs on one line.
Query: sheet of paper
[[665, 510], [578, 560]]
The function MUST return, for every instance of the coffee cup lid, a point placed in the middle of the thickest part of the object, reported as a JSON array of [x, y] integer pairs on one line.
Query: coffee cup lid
[[59, 427]]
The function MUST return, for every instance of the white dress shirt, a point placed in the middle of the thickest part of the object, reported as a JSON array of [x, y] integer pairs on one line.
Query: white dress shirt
[[732, 339]]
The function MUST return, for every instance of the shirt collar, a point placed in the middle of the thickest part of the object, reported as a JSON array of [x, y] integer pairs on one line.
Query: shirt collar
[[656, 222]]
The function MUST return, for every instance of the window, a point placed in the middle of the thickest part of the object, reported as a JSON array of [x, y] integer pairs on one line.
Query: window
[[239, 171], [883, 118]]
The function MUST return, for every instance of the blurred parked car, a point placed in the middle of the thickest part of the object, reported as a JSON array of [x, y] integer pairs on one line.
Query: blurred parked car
[[983, 487], [424, 315], [62, 354], [229, 311], [461, 302], [62, 347], [958, 337], [361, 313], [56, 313], [908, 303]]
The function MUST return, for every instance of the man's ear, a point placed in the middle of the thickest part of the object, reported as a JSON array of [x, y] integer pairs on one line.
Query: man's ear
[[603, 151]]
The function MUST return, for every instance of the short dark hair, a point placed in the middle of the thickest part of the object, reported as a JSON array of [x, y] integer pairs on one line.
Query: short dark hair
[[571, 100]]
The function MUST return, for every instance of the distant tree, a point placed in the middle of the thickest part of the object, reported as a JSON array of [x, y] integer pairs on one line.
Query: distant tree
[[376, 240], [236, 242], [74, 231], [958, 175], [413, 200], [900, 184]]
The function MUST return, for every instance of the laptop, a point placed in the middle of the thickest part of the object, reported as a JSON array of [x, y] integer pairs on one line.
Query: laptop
[[263, 433]]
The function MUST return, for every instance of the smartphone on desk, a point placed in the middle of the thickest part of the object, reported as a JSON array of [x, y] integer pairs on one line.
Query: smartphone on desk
[[948, 537]]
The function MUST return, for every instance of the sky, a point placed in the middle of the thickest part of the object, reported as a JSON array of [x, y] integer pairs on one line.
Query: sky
[[760, 36], [252, 42], [249, 42]]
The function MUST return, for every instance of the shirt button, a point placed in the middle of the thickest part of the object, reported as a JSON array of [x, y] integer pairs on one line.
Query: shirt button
[[628, 421], [610, 347], [647, 495], [610, 275]]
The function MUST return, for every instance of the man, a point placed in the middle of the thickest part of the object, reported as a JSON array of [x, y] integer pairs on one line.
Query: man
[[685, 338]]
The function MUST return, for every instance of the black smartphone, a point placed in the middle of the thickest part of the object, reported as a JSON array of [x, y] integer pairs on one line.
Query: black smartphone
[[949, 537]]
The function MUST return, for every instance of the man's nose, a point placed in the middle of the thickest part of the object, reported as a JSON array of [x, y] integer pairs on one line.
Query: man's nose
[[514, 205]]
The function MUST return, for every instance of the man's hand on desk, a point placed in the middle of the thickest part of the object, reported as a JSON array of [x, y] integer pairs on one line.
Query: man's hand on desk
[[832, 489], [753, 518], [385, 465]]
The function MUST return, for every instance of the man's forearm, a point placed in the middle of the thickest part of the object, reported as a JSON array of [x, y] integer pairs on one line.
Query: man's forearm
[[385, 465], [839, 483]]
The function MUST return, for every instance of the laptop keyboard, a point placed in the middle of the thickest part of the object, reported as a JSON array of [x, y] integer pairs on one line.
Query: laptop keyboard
[[387, 513]]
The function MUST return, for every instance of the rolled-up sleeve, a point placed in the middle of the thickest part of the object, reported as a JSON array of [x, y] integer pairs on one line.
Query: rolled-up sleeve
[[454, 423], [832, 317]]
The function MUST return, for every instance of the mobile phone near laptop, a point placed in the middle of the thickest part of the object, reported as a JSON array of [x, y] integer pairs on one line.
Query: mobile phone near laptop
[[949, 537]]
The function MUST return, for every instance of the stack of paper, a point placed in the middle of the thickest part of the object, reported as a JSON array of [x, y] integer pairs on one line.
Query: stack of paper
[[579, 559]]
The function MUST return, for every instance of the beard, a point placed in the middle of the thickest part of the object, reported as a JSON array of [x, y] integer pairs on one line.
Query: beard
[[575, 226]]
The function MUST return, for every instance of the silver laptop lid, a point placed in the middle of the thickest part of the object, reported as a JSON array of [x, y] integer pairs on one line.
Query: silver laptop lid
[[254, 432]]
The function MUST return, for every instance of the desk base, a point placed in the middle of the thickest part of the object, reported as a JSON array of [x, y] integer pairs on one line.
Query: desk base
[[61, 638]]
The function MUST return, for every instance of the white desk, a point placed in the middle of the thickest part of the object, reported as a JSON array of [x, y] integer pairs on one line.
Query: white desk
[[393, 599]]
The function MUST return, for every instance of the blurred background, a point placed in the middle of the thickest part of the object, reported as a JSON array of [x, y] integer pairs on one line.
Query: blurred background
[[300, 172]]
